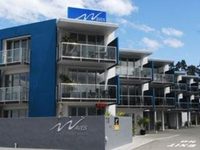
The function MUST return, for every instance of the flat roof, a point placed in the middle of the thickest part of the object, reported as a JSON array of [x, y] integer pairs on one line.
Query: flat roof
[[87, 26], [133, 53], [190, 76], [160, 62]]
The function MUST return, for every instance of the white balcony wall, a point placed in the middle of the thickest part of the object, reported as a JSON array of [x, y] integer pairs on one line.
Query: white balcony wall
[[166, 90], [191, 81], [180, 96], [145, 87], [179, 78], [192, 97], [109, 38], [144, 61]]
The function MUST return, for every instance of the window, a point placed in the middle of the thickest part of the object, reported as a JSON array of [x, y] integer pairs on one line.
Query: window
[[20, 79], [72, 111], [91, 111], [81, 38], [100, 40], [81, 111]]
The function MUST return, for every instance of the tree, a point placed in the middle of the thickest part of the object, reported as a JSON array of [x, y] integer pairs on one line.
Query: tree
[[191, 70], [178, 66], [183, 65]]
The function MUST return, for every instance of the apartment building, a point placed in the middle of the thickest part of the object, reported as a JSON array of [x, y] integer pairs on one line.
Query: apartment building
[[73, 67], [134, 81], [186, 91], [58, 67]]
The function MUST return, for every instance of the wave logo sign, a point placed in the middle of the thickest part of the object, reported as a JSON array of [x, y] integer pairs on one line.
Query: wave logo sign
[[86, 14], [70, 125]]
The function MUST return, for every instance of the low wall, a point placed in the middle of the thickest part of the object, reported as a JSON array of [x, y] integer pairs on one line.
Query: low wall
[[70, 133]]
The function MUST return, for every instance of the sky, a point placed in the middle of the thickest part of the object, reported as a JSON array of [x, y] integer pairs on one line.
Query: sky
[[168, 28]]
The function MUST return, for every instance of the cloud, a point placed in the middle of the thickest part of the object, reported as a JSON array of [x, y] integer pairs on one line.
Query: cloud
[[115, 7], [24, 11], [174, 43], [142, 27], [172, 32], [150, 43], [137, 26]]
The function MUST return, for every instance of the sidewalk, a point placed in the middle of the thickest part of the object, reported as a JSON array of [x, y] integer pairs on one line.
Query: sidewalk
[[140, 140]]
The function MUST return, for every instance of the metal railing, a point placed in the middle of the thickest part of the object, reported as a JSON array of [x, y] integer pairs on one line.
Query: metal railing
[[179, 87], [165, 101], [136, 100], [18, 55], [12, 94], [135, 72], [188, 105], [87, 51], [193, 89], [74, 91], [163, 78]]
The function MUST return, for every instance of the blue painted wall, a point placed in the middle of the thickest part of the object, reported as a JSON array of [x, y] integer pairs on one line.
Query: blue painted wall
[[42, 97]]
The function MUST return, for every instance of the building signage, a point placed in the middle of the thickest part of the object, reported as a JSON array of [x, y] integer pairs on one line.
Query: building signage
[[86, 14], [70, 125], [116, 123]]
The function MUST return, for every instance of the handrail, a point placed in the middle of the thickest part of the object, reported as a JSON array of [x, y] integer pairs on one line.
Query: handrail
[[15, 93], [10, 56], [164, 78], [87, 51], [87, 91]]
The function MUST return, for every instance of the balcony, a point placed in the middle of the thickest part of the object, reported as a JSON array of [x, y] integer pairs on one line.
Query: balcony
[[188, 105], [87, 54], [87, 92], [138, 75], [194, 106], [193, 89], [135, 101], [13, 94], [14, 56], [164, 102], [179, 87], [163, 79]]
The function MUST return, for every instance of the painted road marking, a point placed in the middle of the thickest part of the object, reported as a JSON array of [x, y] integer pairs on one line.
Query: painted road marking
[[183, 144]]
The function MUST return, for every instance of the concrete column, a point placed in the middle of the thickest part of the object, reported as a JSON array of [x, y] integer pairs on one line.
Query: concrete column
[[177, 121], [188, 118], [149, 121], [155, 119], [196, 119], [163, 120]]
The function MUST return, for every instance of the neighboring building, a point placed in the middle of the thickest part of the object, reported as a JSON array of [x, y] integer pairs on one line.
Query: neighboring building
[[70, 67], [134, 81]]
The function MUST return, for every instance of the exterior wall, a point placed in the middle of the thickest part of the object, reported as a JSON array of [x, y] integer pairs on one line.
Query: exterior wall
[[172, 121], [42, 65], [118, 137], [135, 114], [75, 133]]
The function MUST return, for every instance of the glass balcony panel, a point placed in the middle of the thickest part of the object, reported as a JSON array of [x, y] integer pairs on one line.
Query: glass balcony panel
[[17, 55], [88, 51], [136, 100], [163, 78], [170, 101], [147, 100], [124, 100], [135, 72], [17, 93], [87, 91], [159, 101]]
